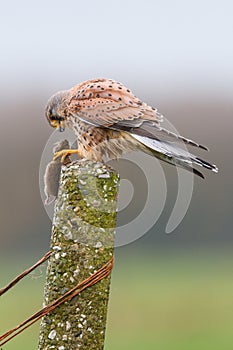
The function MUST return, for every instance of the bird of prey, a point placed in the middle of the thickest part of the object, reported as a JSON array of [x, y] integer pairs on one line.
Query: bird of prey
[[109, 120]]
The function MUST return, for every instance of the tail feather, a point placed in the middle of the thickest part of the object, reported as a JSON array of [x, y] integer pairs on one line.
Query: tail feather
[[179, 163], [170, 153]]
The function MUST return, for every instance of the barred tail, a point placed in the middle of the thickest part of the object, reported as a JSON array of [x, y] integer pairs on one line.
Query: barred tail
[[170, 153]]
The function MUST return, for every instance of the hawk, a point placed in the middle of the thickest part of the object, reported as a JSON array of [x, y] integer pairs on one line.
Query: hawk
[[109, 120]]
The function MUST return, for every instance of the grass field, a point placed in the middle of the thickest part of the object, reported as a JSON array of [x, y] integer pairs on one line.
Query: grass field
[[168, 302]]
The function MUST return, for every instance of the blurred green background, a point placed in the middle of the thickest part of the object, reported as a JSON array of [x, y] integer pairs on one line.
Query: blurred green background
[[165, 301], [168, 291]]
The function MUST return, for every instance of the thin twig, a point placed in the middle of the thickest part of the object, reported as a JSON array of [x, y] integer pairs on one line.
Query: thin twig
[[102, 273], [25, 273]]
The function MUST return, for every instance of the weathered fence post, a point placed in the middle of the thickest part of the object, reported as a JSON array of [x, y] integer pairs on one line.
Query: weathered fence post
[[83, 241]]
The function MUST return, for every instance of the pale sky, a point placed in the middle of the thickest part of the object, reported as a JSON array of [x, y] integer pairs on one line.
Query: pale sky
[[163, 42]]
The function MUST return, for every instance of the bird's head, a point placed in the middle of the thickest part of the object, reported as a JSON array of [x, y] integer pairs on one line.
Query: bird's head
[[55, 110]]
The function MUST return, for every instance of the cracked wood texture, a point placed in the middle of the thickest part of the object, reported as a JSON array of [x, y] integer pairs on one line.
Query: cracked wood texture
[[83, 241]]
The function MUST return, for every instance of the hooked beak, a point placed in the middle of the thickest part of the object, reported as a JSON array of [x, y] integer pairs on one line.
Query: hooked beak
[[61, 127]]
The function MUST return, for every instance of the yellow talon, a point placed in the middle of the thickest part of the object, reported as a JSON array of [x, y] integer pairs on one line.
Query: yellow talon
[[64, 153]]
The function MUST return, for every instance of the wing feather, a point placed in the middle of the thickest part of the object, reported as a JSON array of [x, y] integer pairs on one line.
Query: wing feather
[[104, 102]]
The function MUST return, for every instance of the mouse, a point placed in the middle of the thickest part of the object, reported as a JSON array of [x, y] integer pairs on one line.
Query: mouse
[[52, 173]]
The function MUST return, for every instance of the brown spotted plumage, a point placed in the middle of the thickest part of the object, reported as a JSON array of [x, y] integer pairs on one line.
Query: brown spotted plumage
[[109, 120]]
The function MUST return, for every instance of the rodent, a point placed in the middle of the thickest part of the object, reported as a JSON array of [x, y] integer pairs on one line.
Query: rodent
[[52, 173]]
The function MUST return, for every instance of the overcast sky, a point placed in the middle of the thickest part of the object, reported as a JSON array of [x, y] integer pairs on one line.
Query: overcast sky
[[166, 51], [164, 42]]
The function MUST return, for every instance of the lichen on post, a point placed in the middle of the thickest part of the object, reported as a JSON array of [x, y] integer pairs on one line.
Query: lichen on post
[[83, 241]]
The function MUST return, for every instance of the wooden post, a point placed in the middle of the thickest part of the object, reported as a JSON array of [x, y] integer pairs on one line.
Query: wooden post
[[83, 241]]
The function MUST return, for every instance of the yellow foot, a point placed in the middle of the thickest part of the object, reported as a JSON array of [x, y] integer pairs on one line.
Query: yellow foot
[[64, 153]]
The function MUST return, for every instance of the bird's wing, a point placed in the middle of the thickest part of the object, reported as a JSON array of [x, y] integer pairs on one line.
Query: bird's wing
[[156, 132], [105, 102]]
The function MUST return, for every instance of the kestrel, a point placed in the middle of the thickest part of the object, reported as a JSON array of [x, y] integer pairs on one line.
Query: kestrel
[[109, 120]]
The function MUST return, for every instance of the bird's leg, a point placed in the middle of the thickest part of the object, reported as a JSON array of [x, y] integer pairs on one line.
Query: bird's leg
[[65, 153]]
